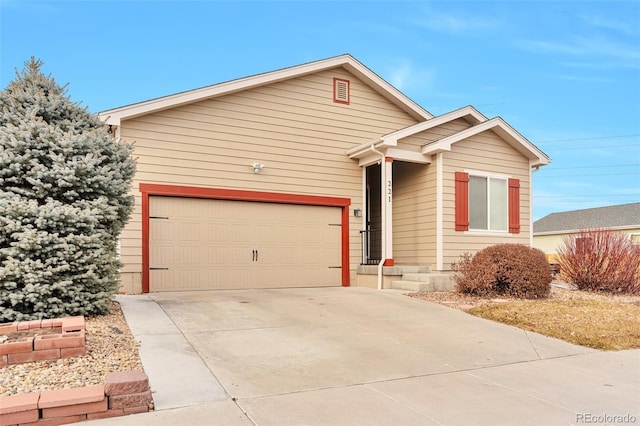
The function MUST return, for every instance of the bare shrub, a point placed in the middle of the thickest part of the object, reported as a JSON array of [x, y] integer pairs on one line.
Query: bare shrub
[[600, 260], [504, 269]]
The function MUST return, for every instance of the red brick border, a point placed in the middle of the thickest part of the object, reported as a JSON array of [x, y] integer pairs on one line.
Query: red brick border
[[71, 342], [125, 392]]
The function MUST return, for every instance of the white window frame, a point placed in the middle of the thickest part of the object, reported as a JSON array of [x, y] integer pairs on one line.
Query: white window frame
[[489, 175]]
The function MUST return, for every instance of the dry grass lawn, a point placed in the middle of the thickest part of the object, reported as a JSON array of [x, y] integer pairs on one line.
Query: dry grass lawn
[[594, 320]]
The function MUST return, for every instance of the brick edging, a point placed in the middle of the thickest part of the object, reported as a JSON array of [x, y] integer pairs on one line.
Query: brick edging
[[70, 342], [125, 392]]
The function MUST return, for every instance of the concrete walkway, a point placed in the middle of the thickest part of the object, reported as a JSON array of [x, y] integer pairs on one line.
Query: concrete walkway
[[349, 356]]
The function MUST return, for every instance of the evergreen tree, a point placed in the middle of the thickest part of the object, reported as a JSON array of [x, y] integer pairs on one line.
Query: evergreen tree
[[65, 187]]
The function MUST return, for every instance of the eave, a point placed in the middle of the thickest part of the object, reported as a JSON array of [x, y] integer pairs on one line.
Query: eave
[[536, 157], [390, 140], [117, 115]]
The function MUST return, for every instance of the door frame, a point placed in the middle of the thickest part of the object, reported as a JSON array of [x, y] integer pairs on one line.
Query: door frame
[[149, 189]]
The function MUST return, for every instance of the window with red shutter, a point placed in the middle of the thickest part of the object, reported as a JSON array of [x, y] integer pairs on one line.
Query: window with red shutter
[[487, 202]]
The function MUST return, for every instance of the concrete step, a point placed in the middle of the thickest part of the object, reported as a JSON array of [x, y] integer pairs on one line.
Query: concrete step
[[425, 282], [410, 269], [412, 286], [423, 277], [393, 270]]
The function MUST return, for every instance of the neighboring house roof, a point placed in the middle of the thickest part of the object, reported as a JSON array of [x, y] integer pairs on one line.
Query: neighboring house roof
[[116, 115], [618, 217]]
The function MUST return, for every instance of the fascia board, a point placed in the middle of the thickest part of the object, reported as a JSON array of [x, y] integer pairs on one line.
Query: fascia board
[[116, 115], [364, 148], [387, 90], [355, 151], [529, 148], [391, 139], [467, 111], [369, 159], [499, 126], [408, 156]]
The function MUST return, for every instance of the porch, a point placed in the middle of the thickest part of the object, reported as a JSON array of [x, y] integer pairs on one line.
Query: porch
[[404, 277]]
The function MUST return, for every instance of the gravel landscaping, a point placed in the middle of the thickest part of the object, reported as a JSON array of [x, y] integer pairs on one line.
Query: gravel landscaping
[[110, 347]]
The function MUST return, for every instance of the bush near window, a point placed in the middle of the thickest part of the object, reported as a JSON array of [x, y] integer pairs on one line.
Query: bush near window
[[504, 270], [600, 260]]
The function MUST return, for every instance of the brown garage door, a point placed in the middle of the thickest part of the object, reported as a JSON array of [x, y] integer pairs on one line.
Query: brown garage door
[[200, 244]]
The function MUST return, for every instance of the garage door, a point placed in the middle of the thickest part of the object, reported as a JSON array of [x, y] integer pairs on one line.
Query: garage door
[[202, 244]]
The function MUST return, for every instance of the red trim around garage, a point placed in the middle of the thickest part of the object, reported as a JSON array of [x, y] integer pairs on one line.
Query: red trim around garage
[[148, 189]]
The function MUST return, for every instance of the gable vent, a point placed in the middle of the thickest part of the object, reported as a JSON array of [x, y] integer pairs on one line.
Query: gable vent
[[341, 91]]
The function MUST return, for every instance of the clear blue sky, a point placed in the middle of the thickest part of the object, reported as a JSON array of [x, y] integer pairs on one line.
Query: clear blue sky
[[565, 74]]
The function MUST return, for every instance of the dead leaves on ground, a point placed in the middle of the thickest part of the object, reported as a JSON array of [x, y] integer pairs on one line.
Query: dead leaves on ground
[[593, 320]]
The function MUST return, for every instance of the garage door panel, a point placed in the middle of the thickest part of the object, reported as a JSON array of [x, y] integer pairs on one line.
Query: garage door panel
[[213, 244]]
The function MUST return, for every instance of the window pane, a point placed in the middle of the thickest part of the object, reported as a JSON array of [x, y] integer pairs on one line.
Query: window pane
[[498, 202], [477, 202]]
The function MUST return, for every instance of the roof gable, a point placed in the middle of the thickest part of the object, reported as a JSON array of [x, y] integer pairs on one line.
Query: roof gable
[[479, 122], [116, 115], [502, 129], [391, 139], [619, 216]]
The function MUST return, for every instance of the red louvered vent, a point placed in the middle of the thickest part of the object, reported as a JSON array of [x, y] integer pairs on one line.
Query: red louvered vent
[[341, 91]]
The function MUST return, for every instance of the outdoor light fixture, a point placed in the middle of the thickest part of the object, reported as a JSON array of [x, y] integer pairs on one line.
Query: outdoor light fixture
[[257, 167], [357, 212]]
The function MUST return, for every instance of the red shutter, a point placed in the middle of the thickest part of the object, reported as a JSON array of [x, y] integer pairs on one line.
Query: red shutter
[[514, 206], [462, 201]]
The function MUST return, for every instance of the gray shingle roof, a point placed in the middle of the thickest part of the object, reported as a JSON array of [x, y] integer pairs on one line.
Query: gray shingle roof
[[623, 215]]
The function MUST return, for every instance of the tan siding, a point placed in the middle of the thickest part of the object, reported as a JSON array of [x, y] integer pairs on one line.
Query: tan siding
[[414, 208], [414, 214], [292, 127], [489, 153]]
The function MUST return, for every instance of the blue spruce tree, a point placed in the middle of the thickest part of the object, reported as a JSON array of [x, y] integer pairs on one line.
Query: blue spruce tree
[[65, 195]]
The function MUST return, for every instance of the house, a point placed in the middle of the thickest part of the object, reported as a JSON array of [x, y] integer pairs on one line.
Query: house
[[322, 174], [549, 231]]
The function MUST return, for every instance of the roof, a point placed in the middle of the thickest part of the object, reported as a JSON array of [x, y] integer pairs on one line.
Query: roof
[[479, 123], [361, 152], [349, 63], [504, 130], [620, 217]]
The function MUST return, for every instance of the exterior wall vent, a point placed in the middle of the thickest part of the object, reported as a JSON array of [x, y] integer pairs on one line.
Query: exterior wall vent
[[341, 88]]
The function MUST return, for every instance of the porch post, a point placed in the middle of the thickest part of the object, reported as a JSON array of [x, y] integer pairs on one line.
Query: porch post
[[387, 207]]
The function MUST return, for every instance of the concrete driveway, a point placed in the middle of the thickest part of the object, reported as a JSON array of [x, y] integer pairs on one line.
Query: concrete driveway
[[348, 356]]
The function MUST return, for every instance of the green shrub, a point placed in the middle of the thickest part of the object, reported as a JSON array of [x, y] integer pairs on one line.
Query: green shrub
[[65, 195], [504, 269]]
